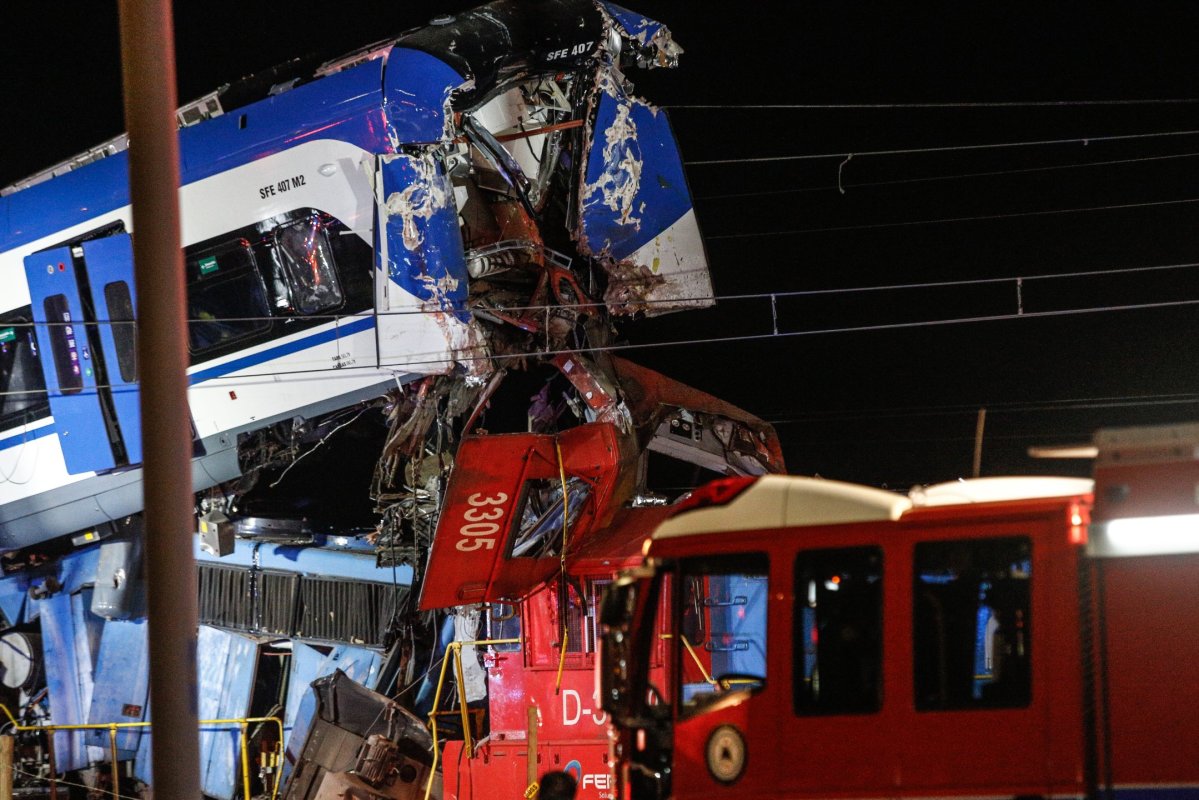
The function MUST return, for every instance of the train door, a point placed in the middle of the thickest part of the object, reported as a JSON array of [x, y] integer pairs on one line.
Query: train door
[[724, 729], [83, 300], [971, 625]]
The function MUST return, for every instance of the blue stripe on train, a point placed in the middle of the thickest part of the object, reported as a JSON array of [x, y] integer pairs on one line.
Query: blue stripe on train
[[236, 365]]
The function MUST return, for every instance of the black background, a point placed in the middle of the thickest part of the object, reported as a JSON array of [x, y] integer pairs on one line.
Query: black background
[[893, 405]]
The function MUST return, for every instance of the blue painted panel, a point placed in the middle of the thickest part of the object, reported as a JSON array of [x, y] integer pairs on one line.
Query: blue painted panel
[[318, 561], [64, 680], [424, 245], [625, 208], [636, 26], [121, 684], [226, 666], [416, 87], [78, 417], [347, 106], [67, 200], [110, 260]]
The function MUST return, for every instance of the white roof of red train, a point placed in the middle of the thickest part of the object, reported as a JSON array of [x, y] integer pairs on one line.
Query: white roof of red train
[[777, 501]]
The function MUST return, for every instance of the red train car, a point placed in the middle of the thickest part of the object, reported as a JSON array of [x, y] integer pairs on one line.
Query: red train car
[[832, 640]]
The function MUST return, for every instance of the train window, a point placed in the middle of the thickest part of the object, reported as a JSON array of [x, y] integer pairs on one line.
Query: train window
[[303, 253], [539, 532], [503, 622], [581, 616], [720, 627], [839, 626], [22, 384], [124, 333], [971, 624], [226, 298], [64, 344]]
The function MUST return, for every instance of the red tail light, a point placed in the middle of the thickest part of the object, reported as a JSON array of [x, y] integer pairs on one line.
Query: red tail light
[[717, 493]]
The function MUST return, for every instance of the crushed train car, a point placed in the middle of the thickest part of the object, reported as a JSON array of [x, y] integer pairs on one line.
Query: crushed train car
[[414, 253]]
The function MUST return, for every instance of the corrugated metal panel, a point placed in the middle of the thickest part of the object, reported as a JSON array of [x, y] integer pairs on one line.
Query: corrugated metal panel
[[226, 596], [339, 611], [276, 600]]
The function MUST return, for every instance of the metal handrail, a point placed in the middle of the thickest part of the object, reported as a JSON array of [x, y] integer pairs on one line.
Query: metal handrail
[[113, 727], [456, 649]]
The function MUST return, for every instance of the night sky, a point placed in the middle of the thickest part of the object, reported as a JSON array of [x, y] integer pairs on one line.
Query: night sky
[[895, 402]]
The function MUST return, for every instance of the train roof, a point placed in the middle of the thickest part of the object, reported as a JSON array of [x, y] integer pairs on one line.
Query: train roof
[[779, 501]]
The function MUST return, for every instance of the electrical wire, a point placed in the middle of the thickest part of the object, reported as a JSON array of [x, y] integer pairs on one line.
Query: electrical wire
[[946, 220], [888, 106], [439, 359], [430, 359], [934, 178], [903, 151], [1013, 407]]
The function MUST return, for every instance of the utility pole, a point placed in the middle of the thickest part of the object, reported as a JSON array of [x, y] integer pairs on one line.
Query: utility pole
[[148, 72]]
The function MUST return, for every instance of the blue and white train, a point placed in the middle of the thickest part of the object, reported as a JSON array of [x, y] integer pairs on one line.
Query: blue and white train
[[346, 229]]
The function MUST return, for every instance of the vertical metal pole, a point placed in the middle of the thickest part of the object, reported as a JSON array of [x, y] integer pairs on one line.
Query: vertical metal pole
[[148, 71], [531, 741], [979, 424], [116, 773], [53, 765], [6, 749]]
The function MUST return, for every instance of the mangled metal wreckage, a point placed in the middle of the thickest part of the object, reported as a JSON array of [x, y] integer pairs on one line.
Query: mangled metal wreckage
[[516, 199]]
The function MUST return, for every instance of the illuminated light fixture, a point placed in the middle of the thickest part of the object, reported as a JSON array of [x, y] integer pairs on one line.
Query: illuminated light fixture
[[1146, 492], [1143, 536]]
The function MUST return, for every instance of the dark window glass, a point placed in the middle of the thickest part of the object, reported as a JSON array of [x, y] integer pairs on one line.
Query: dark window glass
[[303, 253], [721, 627], [538, 531], [972, 625], [503, 622], [124, 330], [580, 615], [839, 629], [22, 385], [226, 298], [64, 344]]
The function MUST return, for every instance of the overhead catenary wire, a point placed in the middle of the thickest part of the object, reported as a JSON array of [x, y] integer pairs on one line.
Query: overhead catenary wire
[[964, 409], [964, 104], [903, 151], [947, 177], [436, 359], [947, 220]]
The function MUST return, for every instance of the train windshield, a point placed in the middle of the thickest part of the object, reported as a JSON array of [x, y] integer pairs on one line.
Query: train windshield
[[721, 625]]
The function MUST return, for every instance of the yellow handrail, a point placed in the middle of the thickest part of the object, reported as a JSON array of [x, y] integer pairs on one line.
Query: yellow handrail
[[456, 649], [112, 728]]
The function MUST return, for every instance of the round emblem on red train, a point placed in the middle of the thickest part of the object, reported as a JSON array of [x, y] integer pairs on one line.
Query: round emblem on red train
[[726, 754]]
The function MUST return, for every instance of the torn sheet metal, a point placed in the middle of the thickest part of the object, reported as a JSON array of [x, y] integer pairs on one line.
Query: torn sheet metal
[[650, 39], [422, 254], [508, 39], [417, 88], [475, 555], [357, 743], [685, 423], [636, 214]]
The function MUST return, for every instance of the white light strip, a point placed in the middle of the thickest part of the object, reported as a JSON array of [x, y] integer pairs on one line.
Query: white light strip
[[1139, 536]]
